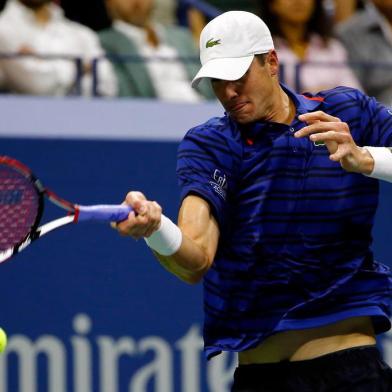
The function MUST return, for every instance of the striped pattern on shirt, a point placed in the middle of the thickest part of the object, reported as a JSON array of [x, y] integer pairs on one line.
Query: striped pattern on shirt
[[295, 228]]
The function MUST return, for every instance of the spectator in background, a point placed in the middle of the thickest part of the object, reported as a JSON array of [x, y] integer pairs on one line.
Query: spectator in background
[[162, 74], [165, 12], [230, 5], [38, 27], [344, 9], [303, 34], [367, 37]]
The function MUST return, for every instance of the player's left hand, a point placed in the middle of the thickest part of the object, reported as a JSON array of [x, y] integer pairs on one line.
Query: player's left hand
[[336, 135]]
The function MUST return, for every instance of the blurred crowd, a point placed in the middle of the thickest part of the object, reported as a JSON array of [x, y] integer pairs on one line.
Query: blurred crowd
[[149, 48]]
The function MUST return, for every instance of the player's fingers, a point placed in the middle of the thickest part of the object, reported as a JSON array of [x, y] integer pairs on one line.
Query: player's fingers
[[333, 140], [151, 211], [319, 127], [155, 219], [128, 227], [342, 152], [149, 220], [140, 207], [145, 220], [141, 222], [318, 115], [330, 136], [157, 211], [313, 128], [133, 197]]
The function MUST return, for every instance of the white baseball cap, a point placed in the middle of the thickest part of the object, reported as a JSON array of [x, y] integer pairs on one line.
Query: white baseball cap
[[229, 43]]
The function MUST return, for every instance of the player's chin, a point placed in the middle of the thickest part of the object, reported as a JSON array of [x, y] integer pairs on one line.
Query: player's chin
[[242, 118]]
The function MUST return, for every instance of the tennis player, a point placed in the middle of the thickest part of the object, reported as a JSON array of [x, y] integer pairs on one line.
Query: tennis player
[[278, 203]]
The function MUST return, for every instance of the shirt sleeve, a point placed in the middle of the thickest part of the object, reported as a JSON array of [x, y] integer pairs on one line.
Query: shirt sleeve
[[376, 123], [205, 167]]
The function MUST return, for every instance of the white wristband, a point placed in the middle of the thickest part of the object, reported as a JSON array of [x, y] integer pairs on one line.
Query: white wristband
[[382, 163], [167, 239]]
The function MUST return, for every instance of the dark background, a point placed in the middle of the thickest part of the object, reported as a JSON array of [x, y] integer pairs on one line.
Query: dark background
[[88, 12], [91, 13]]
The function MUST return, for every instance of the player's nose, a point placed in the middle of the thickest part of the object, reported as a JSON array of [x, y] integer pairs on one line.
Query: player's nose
[[230, 89]]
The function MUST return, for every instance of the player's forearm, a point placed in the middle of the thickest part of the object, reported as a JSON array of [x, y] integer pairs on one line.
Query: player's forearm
[[187, 250], [189, 263]]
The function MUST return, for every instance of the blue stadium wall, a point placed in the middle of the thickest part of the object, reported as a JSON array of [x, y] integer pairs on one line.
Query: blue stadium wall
[[85, 309]]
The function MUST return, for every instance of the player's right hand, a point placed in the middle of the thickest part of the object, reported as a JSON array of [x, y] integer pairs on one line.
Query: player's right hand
[[144, 220]]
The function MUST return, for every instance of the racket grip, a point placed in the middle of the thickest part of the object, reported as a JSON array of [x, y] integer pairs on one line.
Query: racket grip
[[103, 213]]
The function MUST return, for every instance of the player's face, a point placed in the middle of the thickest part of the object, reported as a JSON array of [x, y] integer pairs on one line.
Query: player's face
[[136, 12], [293, 11], [254, 96]]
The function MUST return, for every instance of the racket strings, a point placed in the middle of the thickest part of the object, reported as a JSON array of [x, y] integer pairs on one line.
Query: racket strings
[[19, 206]]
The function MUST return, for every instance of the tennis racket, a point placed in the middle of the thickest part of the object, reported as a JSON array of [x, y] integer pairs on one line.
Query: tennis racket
[[22, 198]]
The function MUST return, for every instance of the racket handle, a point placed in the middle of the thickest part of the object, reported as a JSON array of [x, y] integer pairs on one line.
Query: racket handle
[[103, 213]]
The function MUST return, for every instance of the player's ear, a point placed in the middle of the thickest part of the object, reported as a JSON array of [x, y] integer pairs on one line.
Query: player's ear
[[273, 62]]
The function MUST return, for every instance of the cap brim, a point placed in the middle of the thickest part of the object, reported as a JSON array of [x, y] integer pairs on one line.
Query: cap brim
[[232, 68]]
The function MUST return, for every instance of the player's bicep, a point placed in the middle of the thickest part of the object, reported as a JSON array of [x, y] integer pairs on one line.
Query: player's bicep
[[197, 223]]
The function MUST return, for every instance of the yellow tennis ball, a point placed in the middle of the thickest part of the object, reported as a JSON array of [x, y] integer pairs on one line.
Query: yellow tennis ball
[[3, 340]]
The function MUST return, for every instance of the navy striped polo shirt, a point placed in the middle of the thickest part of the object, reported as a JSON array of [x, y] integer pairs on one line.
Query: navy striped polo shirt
[[295, 228]]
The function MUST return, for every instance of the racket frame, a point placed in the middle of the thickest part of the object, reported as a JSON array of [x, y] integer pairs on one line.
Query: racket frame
[[103, 213], [37, 231]]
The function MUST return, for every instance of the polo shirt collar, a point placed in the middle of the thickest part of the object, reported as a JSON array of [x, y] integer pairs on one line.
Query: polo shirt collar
[[304, 103], [264, 129]]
